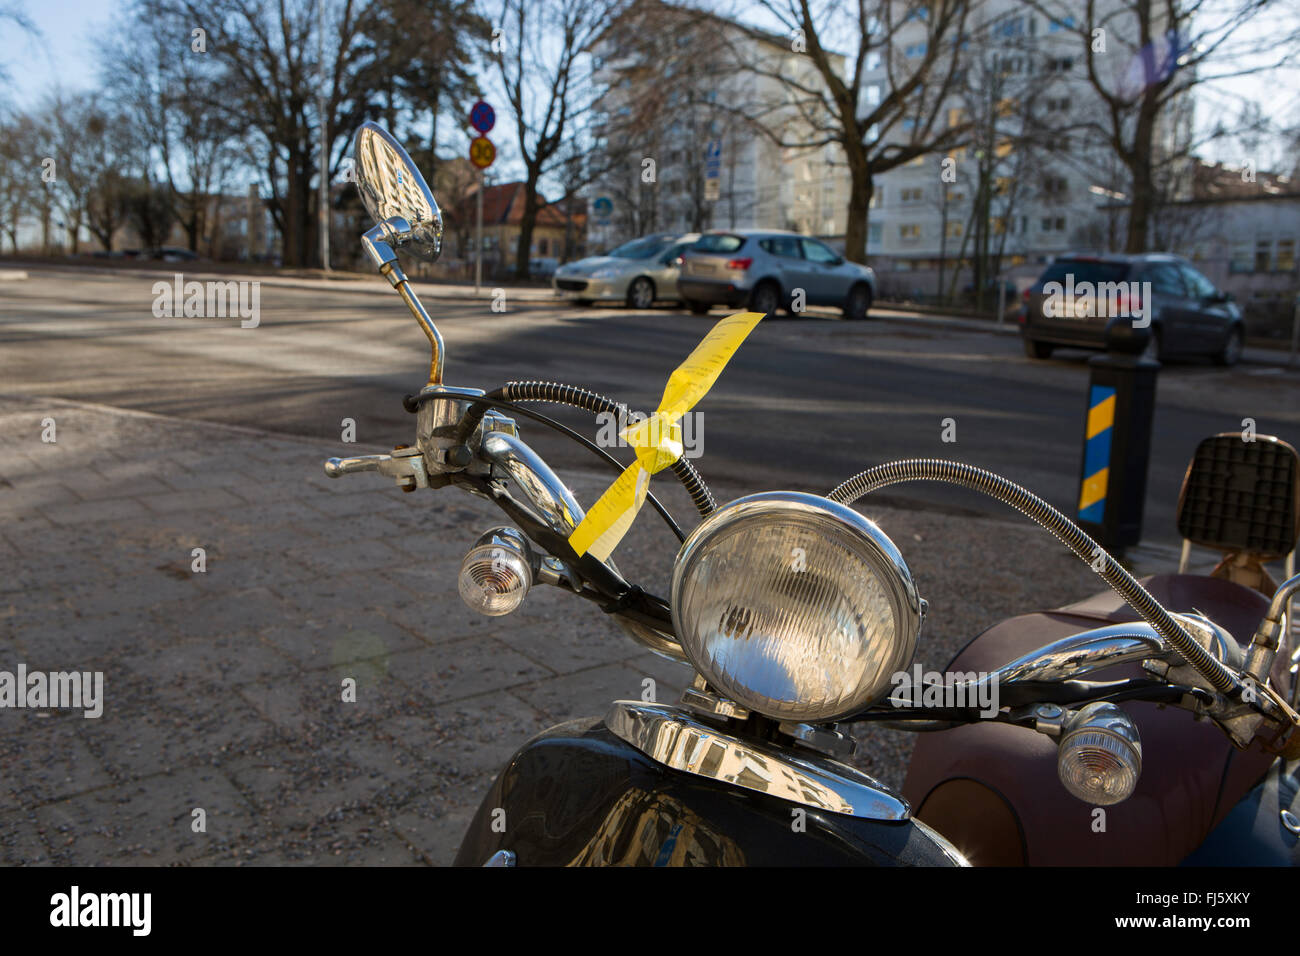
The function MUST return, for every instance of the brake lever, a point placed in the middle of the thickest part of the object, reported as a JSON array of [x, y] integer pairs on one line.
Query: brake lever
[[405, 466]]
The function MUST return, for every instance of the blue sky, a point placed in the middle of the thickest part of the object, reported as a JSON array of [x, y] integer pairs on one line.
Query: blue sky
[[65, 53]]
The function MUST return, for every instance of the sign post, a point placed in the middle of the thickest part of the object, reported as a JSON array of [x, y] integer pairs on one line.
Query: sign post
[[482, 154], [323, 213], [1117, 440]]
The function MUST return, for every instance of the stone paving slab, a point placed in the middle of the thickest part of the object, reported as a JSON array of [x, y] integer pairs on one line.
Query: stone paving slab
[[222, 689]]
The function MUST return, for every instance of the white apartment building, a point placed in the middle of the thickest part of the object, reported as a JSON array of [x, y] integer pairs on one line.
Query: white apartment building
[[673, 94], [1047, 198]]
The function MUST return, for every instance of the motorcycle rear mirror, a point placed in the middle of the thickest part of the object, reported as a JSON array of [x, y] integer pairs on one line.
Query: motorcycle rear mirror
[[406, 214], [395, 194]]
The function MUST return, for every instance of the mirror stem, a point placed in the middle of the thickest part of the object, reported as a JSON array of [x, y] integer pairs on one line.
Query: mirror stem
[[383, 256]]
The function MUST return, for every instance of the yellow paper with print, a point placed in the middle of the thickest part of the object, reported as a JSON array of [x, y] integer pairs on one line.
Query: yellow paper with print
[[658, 439]]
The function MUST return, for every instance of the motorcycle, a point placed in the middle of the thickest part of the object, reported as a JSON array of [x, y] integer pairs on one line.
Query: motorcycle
[[1111, 731]]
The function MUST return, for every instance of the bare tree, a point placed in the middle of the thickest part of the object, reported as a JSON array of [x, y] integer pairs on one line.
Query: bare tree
[[268, 60], [73, 173], [22, 191], [546, 73], [168, 91], [424, 51], [914, 44], [1141, 58]]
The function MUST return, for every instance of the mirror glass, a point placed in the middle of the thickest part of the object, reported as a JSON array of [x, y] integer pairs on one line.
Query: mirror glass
[[395, 193]]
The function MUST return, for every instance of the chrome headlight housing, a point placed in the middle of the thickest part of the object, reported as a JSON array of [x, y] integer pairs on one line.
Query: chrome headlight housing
[[795, 606]]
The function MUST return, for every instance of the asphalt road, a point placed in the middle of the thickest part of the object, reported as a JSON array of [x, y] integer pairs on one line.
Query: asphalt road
[[804, 404]]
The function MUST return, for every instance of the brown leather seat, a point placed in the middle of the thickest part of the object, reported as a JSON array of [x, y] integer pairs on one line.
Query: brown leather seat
[[993, 791]]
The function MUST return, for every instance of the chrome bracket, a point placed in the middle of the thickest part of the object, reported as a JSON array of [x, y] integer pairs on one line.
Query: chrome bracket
[[677, 739]]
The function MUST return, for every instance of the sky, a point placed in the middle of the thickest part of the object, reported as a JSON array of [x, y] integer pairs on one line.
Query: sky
[[66, 54]]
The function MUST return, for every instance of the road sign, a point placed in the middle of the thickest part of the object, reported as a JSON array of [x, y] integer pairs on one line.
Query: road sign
[[481, 152], [602, 207], [482, 117], [713, 170]]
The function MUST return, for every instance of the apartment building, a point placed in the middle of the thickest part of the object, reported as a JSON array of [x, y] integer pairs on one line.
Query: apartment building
[[1023, 81], [680, 131]]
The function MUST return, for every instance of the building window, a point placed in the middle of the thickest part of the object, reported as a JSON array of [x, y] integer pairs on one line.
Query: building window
[[1053, 224], [1056, 26], [912, 195], [875, 232], [1013, 27], [1055, 186], [910, 232], [954, 230], [1285, 261], [914, 51], [1240, 260], [1263, 253]]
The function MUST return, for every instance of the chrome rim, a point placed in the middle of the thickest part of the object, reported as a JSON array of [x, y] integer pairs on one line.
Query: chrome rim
[[858, 303], [641, 295], [1232, 351]]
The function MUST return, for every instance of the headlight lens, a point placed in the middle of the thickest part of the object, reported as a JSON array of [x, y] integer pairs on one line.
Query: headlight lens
[[795, 606]]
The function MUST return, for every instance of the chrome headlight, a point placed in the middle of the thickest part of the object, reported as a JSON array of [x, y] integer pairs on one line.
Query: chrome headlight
[[795, 606]]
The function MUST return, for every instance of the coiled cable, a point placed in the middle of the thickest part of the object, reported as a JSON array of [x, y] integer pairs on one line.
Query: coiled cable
[[558, 394], [1074, 537]]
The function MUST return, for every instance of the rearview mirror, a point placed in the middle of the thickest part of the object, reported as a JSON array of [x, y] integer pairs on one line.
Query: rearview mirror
[[395, 194]]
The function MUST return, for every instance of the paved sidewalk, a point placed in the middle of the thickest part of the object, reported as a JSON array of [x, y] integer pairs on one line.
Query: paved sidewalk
[[222, 689]]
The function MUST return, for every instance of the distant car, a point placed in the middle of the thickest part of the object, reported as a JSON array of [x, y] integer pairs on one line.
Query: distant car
[[542, 268], [639, 272], [761, 269], [1188, 315], [173, 254]]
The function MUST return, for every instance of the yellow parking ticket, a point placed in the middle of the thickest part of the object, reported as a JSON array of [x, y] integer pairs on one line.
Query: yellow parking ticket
[[657, 440]]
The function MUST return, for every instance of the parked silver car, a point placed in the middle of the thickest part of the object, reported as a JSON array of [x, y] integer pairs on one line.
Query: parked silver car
[[764, 269], [639, 272]]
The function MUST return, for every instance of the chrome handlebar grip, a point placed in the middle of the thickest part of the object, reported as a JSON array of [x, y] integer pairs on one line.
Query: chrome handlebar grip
[[542, 487], [1086, 652], [338, 467]]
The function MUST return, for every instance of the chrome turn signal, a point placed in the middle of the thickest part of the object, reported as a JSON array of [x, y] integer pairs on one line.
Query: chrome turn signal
[[497, 572], [1100, 756]]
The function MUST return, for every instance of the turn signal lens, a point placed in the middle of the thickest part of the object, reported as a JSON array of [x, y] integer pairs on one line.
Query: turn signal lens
[[1100, 755], [496, 573]]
